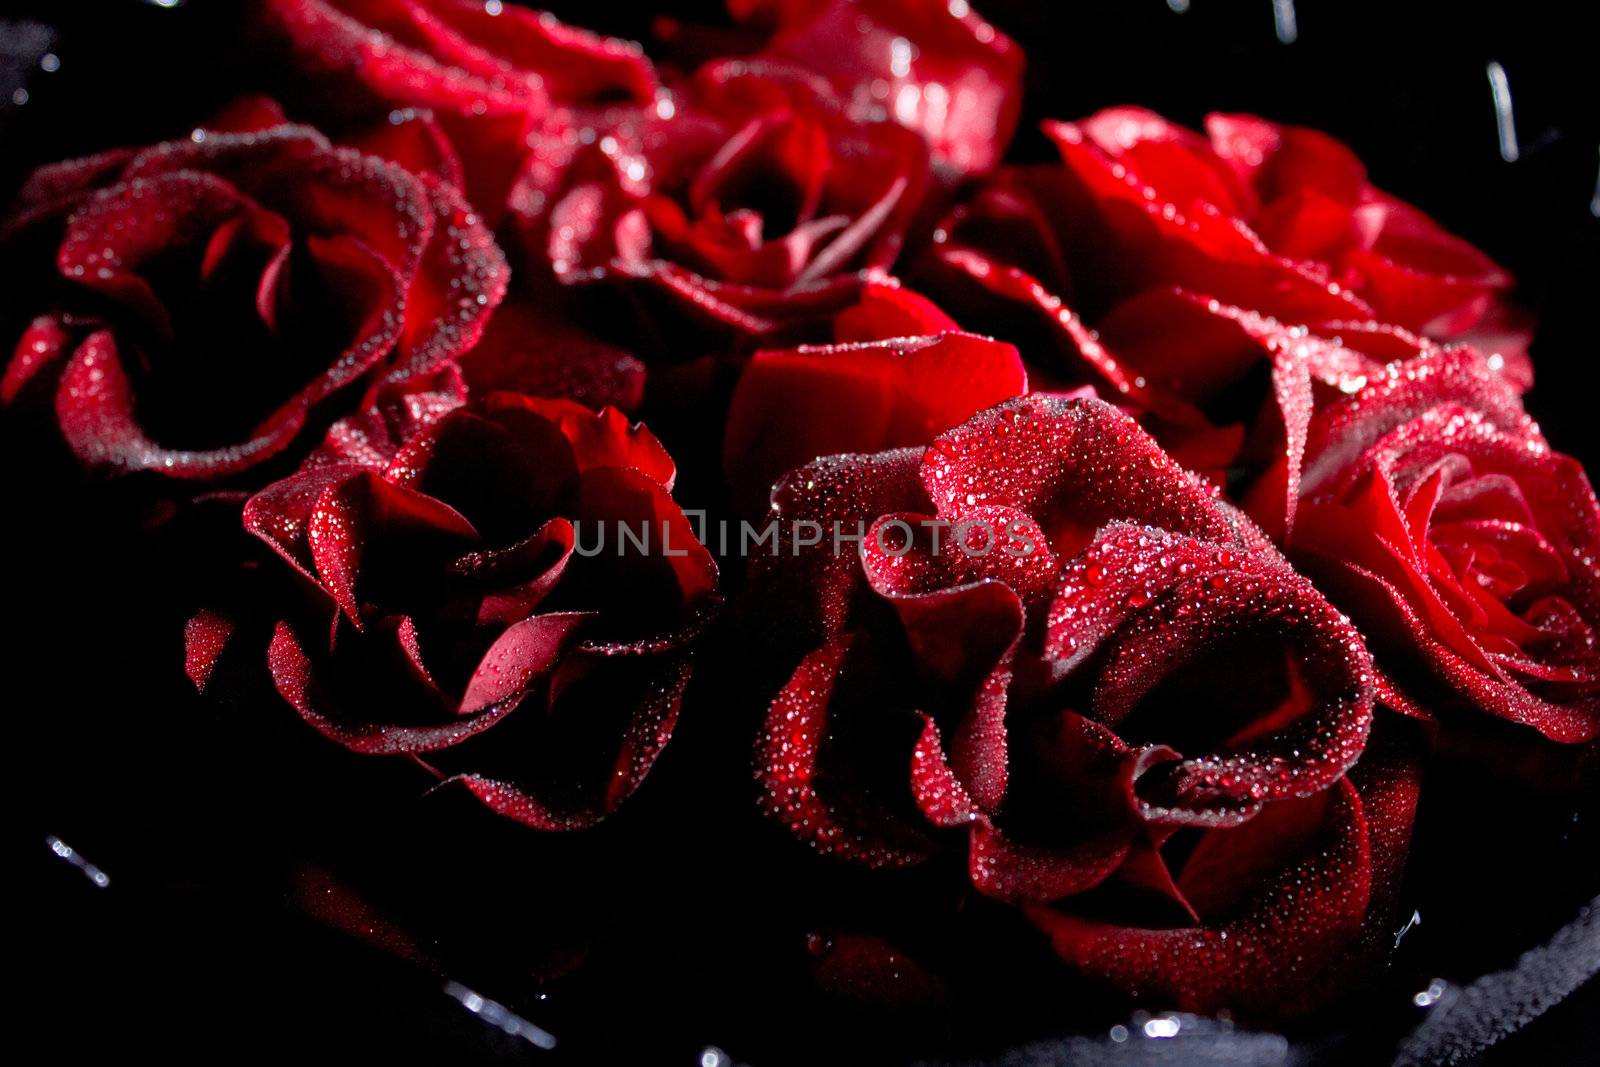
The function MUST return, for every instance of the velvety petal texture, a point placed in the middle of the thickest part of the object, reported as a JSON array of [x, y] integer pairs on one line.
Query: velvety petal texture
[[1278, 218], [1433, 508], [1113, 526], [899, 373], [1223, 364], [478, 603], [212, 296], [1037, 639], [747, 203]]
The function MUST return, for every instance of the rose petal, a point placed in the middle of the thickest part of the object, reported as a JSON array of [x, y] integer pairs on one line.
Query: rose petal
[[1072, 465], [1292, 927], [793, 406], [1143, 602], [599, 439], [789, 768], [525, 652]]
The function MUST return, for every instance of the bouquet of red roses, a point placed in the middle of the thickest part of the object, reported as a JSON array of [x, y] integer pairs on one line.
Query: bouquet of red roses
[[1111, 538]]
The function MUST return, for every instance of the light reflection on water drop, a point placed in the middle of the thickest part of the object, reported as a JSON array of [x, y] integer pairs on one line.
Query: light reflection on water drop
[[70, 855], [1431, 995], [496, 1014]]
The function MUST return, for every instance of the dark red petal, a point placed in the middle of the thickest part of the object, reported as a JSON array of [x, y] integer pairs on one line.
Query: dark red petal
[[998, 866], [906, 554], [1073, 465], [393, 62], [459, 281], [963, 641], [55, 188], [522, 575], [315, 691], [205, 637], [602, 438], [322, 896], [571, 64], [582, 764], [95, 409], [1195, 245], [392, 413], [1293, 925], [787, 767], [415, 141], [935, 785], [1155, 332], [1384, 608], [1177, 163], [1404, 391], [320, 189], [1275, 159], [1226, 865], [524, 653], [886, 309], [1504, 332], [1389, 779], [798, 583], [795, 405], [1009, 870], [1415, 273], [646, 592], [280, 514], [353, 515], [44, 343], [507, 471], [126, 228], [870, 970], [863, 232], [247, 114], [745, 309], [527, 348], [1078, 344], [1145, 602]]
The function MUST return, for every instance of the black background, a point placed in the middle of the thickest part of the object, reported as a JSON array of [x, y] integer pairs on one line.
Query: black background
[[202, 816]]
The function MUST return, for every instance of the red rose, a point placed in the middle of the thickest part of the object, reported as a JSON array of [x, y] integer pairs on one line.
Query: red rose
[[490, 74], [1103, 666], [1224, 387], [931, 66], [751, 202], [1431, 507], [200, 300], [465, 612], [1276, 218], [899, 372]]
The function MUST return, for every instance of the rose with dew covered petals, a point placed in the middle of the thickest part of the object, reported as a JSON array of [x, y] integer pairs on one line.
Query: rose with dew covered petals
[[199, 302], [1430, 505], [1276, 218], [457, 616], [747, 204], [1220, 370], [1038, 645]]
